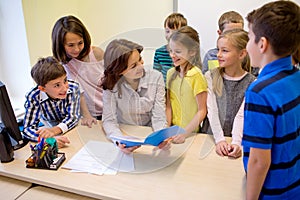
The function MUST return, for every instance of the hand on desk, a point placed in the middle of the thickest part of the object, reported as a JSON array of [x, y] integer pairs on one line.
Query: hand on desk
[[88, 121], [45, 132], [61, 141], [235, 151], [222, 148], [230, 150]]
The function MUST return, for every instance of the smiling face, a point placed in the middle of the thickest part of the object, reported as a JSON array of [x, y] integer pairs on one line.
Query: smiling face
[[179, 53], [135, 67], [73, 44], [228, 55], [57, 88]]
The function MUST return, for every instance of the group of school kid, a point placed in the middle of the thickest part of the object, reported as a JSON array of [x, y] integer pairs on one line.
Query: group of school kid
[[260, 111]]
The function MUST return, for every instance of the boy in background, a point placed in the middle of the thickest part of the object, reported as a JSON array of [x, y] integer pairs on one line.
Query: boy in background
[[271, 137], [54, 101], [162, 60], [228, 20]]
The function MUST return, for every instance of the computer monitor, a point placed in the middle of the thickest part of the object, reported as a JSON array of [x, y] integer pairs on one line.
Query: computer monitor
[[8, 119]]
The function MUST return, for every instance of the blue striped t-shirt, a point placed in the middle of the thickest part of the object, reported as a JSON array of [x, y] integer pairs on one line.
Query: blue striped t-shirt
[[162, 61], [272, 121]]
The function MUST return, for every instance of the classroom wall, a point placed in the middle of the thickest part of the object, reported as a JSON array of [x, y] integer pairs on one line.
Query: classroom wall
[[204, 16], [14, 55], [26, 25], [104, 20]]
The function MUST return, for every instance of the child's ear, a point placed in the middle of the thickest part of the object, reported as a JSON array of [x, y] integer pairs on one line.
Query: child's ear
[[42, 88], [192, 53], [263, 44], [243, 53]]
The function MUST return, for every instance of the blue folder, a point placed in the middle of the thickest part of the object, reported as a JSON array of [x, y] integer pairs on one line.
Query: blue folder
[[154, 138]]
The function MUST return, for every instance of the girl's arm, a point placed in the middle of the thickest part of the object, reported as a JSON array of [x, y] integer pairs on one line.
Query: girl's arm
[[168, 109], [237, 133], [237, 128], [200, 115], [197, 119], [213, 112], [87, 118]]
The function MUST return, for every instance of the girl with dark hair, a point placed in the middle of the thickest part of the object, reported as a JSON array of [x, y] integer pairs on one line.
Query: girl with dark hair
[[132, 95], [71, 45]]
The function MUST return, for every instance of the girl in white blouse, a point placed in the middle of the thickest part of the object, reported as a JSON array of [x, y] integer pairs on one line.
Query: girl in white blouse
[[226, 88]]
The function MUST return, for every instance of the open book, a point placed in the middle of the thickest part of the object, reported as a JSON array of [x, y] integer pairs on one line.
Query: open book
[[154, 138]]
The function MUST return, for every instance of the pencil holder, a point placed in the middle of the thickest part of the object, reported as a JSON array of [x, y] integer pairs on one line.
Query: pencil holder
[[45, 155]]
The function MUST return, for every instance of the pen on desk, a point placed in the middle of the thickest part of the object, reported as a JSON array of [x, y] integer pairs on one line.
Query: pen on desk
[[31, 147], [42, 142]]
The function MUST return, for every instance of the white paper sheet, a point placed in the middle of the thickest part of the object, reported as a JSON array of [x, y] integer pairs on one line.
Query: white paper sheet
[[100, 158]]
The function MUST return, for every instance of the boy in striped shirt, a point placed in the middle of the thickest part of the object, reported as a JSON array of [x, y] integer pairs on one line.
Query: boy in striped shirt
[[53, 102], [271, 138]]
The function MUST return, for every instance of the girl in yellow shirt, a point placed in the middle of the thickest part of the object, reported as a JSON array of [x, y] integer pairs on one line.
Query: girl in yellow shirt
[[186, 85]]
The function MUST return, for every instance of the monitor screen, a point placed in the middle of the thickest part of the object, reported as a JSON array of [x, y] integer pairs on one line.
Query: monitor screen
[[8, 119]]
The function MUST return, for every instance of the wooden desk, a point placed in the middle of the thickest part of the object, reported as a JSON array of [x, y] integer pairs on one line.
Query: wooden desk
[[12, 188], [46, 193], [189, 177]]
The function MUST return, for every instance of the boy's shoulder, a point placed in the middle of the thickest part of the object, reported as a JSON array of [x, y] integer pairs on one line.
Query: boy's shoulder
[[211, 54], [73, 84], [162, 49], [34, 92]]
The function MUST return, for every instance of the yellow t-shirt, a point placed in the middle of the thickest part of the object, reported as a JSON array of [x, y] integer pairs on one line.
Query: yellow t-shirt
[[183, 93]]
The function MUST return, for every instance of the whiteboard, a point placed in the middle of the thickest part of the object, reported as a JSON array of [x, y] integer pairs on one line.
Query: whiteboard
[[204, 16]]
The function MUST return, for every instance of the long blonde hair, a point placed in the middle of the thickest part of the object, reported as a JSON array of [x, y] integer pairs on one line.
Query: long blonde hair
[[239, 39]]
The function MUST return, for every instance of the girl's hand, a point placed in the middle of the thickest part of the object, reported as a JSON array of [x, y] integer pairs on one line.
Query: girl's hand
[[178, 139], [166, 144], [222, 148], [126, 150], [235, 151], [88, 121]]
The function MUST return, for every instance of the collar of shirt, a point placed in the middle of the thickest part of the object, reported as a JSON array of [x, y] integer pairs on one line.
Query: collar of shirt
[[277, 65], [44, 96], [194, 70], [142, 84]]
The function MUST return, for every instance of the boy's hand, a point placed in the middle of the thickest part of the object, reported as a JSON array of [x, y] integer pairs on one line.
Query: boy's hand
[[45, 132], [88, 121]]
